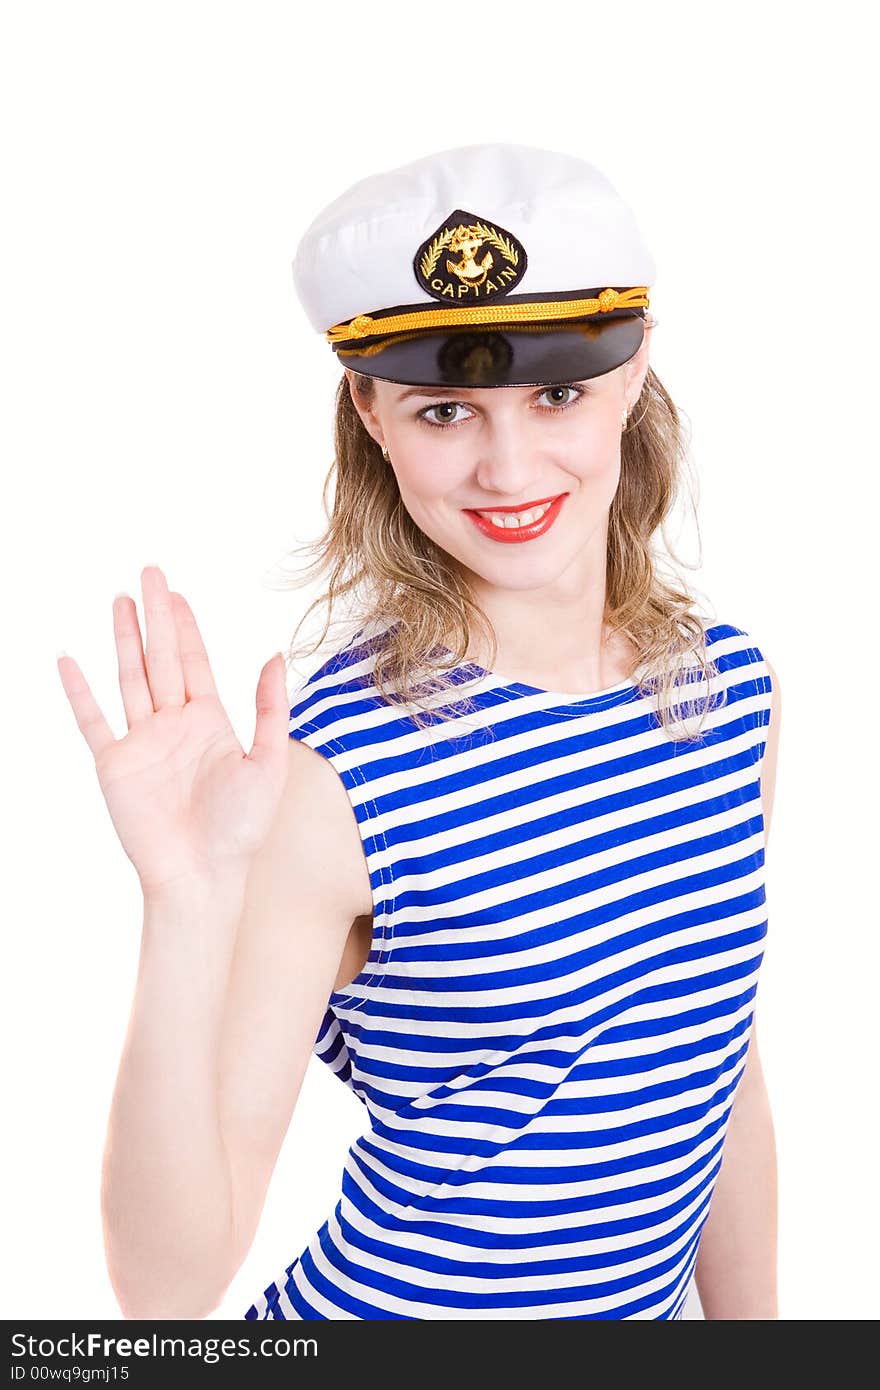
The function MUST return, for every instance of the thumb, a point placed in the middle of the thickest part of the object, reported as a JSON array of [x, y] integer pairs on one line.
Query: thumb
[[273, 713]]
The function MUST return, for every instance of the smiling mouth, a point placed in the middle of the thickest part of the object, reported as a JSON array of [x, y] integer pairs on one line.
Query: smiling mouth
[[512, 526], [524, 515]]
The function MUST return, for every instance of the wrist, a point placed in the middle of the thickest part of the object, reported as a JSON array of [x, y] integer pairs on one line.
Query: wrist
[[219, 890]]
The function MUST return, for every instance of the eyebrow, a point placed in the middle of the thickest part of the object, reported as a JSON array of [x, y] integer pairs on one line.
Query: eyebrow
[[433, 391]]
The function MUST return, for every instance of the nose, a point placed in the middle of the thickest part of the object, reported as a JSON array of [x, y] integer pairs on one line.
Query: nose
[[508, 459]]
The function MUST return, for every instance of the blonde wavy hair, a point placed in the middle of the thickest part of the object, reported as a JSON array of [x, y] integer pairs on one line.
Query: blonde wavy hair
[[377, 559]]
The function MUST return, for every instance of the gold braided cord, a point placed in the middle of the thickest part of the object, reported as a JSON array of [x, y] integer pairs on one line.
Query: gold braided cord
[[364, 326], [585, 328]]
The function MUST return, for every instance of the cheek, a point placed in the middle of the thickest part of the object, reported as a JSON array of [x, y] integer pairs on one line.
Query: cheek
[[427, 478], [596, 456]]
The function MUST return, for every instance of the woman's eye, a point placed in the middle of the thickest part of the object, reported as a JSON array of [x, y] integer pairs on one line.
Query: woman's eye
[[557, 391], [446, 418], [443, 412]]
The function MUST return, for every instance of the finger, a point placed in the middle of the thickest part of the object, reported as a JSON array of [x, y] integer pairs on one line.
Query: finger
[[95, 729], [273, 712], [197, 675], [162, 656], [133, 683]]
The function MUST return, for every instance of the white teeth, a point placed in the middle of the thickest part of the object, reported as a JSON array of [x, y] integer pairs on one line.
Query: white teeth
[[508, 519]]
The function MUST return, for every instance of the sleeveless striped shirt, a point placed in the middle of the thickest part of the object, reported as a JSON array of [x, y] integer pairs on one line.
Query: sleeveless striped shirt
[[568, 923]]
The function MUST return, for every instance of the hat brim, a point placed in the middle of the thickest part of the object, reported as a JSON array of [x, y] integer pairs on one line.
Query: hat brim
[[508, 355]]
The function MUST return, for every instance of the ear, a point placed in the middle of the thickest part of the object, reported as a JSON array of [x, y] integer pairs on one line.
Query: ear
[[366, 412], [636, 369]]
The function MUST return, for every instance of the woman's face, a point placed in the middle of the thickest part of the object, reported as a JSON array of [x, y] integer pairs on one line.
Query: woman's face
[[457, 451]]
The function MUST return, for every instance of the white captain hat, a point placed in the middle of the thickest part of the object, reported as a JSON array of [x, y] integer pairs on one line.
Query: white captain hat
[[483, 265]]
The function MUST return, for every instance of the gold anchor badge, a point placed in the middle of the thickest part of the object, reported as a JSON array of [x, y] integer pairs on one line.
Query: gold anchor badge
[[467, 243], [473, 276]]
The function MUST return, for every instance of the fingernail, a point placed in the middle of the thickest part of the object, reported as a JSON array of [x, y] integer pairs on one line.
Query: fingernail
[[121, 593], [58, 654]]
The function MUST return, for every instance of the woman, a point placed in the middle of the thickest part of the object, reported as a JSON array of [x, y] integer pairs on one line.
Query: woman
[[506, 875]]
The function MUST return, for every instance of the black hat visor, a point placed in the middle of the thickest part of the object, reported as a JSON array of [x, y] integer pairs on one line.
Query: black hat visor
[[532, 354]]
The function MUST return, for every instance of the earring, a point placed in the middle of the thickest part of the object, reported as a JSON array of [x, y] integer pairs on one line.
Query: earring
[[385, 454], [624, 417]]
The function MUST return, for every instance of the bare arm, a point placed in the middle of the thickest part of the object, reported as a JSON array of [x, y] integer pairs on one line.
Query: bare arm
[[231, 992], [307, 888], [166, 1191], [231, 850], [736, 1267]]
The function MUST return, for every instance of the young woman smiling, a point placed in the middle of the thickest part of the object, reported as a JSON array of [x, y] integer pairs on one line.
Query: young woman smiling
[[499, 862]]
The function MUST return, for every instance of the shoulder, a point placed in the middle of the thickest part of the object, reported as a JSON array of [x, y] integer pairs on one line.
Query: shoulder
[[771, 748], [320, 812], [336, 689], [736, 648], [753, 656]]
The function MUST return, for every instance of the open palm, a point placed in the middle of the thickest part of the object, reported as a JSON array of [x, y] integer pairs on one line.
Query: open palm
[[187, 802]]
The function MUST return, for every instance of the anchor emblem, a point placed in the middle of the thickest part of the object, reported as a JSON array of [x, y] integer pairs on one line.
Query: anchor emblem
[[467, 244], [478, 273]]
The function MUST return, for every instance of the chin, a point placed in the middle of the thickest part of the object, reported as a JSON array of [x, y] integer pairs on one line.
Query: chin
[[524, 576]]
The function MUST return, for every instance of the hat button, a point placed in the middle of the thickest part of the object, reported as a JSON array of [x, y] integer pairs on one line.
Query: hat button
[[607, 300], [360, 324]]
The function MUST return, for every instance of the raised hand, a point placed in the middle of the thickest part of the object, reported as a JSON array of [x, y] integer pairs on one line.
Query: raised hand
[[187, 802]]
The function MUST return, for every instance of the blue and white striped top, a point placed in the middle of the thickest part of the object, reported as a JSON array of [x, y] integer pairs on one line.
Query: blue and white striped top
[[569, 920]]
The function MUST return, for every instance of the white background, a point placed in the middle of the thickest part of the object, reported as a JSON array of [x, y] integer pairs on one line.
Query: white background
[[165, 401]]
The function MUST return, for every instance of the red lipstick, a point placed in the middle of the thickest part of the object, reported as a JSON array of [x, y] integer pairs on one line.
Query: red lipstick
[[512, 535]]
